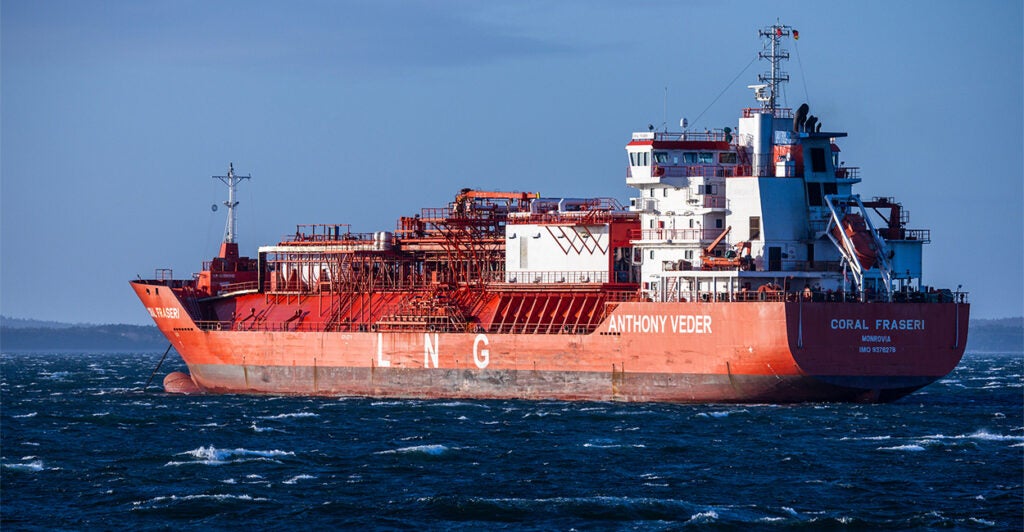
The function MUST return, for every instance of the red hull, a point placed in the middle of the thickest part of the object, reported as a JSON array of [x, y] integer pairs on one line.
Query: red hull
[[678, 352]]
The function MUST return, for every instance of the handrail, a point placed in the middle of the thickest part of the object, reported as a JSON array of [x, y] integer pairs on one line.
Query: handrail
[[682, 235], [557, 277]]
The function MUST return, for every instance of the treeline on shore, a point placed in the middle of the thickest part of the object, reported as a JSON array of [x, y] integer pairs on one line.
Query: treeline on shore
[[82, 338]]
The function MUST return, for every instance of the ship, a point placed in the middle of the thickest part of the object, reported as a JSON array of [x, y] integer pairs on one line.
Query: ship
[[744, 270]]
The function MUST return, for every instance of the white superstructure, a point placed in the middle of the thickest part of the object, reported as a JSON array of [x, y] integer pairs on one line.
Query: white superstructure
[[763, 207]]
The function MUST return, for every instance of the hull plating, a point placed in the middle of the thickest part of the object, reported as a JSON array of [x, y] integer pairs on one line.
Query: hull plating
[[679, 352]]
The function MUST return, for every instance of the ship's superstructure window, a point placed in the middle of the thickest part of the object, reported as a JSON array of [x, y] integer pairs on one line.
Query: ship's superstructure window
[[660, 157], [818, 159], [755, 228], [632, 159], [646, 158], [690, 157], [814, 194], [718, 223], [706, 157], [727, 157]]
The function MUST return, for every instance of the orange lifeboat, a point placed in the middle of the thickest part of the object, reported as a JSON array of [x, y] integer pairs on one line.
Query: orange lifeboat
[[857, 230]]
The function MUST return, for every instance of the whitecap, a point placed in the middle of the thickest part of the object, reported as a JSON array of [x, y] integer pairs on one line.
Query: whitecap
[[704, 517], [213, 456], [902, 448], [868, 438], [296, 478], [985, 522], [977, 435], [35, 465], [432, 450], [295, 414], [613, 445], [30, 414], [720, 414], [215, 497]]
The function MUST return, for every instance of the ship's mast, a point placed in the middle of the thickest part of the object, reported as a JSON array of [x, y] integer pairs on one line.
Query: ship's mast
[[774, 53], [231, 180]]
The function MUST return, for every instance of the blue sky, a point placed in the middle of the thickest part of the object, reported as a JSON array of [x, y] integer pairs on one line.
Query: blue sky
[[115, 115]]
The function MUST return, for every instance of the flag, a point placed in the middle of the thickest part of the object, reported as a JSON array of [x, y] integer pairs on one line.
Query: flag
[[778, 31], [796, 35]]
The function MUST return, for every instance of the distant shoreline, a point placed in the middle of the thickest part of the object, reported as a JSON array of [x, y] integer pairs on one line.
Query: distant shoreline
[[1004, 335]]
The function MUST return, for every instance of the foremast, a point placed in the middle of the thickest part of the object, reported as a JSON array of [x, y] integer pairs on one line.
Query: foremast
[[232, 181]]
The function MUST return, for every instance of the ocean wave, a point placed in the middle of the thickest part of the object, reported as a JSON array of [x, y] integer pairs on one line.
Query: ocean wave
[[459, 403], [264, 429], [867, 438], [721, 413], [297, 478], [709, 516], [172, 499], [977, 435], [295, 414], [35, 465], [432, 450], [911, 447], [609, 445], [30, 414], [213, 456]]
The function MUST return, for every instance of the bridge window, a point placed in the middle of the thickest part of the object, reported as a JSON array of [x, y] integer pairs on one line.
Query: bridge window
[[755, 228], [660, 157], [727, 157], [817, 159], [690, 157], [706, 158]]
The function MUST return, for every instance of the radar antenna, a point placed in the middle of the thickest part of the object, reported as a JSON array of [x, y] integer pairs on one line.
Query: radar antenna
[[774, 53], [231, 180]]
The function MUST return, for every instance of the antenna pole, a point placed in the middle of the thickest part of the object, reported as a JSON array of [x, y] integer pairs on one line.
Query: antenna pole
[[231, 180], [774, 53]]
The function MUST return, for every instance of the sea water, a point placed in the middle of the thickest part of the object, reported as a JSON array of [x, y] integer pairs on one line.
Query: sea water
[[84, 448]]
